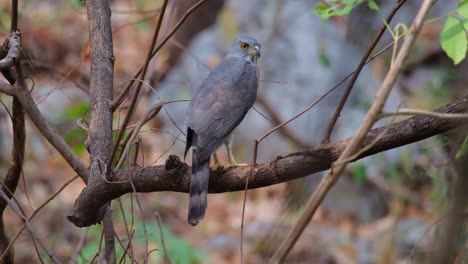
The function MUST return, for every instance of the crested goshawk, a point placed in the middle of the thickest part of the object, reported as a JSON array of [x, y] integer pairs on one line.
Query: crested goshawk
[[216, 109]]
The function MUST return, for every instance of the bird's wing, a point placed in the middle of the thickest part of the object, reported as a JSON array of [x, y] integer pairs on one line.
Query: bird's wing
[[221, 103]]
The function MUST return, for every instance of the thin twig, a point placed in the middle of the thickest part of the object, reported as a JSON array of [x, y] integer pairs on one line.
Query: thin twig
[[7, 89], [118, 101], [372, 115], [79, 247], [130, 236], [323, 96], [357, 72], [31, 229], [129, 246], [98, 253], [420, 112], [151, 113], [51, 135], [14, 45], [109, 232], [167, 259], [19, 131], [142, 216], [134, 100], [35, 212], [38, 254], [276, 120], [252, 166]]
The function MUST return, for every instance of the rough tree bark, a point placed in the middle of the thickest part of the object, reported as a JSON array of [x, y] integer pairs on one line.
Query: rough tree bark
[[99, 141], [175, 175]]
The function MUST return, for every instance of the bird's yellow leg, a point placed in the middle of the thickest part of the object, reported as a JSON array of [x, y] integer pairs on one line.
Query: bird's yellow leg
[[232, 160], [216, 164]]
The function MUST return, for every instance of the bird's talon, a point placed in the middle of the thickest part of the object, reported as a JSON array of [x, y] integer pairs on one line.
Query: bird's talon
[[232, 165], [217, 168]]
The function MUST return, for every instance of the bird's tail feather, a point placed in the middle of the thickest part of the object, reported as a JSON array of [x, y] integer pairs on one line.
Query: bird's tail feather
[[198, 189]]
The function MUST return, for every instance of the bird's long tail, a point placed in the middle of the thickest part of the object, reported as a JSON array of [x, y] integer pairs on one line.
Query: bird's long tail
[[198, 189]]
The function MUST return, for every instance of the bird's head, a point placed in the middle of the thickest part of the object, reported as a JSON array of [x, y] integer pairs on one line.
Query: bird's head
[[245, 47]]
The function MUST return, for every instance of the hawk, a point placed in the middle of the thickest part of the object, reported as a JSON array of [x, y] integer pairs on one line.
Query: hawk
[[216, 109]]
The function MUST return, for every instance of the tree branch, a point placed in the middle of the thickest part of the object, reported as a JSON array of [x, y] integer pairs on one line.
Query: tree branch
[[14, 47], [357, 72], [16, 165], [175, 175], [54, 139], [7, 89], [10, 183], [355, 143], [99, 141]]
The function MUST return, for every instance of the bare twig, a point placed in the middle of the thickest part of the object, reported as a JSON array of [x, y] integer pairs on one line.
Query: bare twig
[[108, 226], [79, 247], [372, 115], [175, 175], [130, 236], [167, 259], [7, 89], [143, 224], [129, 246], [16, 166], [359, 68], [449, 242], [151, 113], [31, 229], [14, 48], [321, 97], [98, 253], [276, 120], [118, 101], [254, 163], [419, 112], [35, 212], [19, 132], [134, 100], [324, 95]]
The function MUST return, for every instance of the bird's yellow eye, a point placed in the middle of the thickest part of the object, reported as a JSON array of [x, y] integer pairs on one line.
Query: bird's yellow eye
[[244, 46]]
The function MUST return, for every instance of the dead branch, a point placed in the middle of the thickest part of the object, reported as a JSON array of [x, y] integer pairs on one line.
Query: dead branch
[[359, 68], [31, 109], [19, 133], [14, 171], [355, 143], [13, 44], [175, 175]]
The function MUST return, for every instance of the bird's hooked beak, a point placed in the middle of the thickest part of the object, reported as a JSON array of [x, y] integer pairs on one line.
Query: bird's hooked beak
[[256, 54], [257, 51]]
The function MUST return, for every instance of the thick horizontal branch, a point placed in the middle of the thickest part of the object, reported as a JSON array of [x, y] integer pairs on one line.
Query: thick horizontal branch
[[175, 175]]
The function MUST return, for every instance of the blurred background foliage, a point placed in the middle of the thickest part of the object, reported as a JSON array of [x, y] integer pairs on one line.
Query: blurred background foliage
[[386, 209]]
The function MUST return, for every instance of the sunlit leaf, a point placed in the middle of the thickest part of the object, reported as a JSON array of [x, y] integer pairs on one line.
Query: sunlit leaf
[[373, 5], [453, 37], [463, 149]]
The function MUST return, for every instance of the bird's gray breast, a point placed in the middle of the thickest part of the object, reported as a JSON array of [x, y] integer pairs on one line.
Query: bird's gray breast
[[222, 101]]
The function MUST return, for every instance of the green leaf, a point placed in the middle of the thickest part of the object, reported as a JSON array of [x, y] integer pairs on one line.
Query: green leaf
[[324, 59], [359, 173], [453, 39], [373, 5], [335, 8], [462, 9], [178, 249], [463, 149]]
